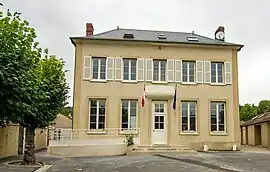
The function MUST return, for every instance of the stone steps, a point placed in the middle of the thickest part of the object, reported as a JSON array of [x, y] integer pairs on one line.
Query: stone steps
[[154, 149]]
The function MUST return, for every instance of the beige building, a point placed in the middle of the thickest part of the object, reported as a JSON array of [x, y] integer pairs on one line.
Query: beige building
[[114, 69], [256, 131]]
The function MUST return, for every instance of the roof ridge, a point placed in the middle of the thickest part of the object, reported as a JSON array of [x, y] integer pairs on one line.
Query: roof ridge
[[154, 30], [105, 32]]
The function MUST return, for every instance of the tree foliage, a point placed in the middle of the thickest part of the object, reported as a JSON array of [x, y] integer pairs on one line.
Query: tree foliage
[[247, 112], [264, 106], [67, 111], [33, 89]]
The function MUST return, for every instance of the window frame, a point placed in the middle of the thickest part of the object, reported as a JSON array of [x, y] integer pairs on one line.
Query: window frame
[[182, 71], [97, 129], [129, 69], [99, 68], [217, 131], [159, 71], [129, 115], [196, 117], [216, 73]]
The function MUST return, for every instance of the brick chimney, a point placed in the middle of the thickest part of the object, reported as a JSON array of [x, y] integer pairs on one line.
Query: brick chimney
[[89, 29]]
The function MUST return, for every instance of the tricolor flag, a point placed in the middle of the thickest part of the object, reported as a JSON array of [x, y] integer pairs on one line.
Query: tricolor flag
[[174, 99], [143, 97]]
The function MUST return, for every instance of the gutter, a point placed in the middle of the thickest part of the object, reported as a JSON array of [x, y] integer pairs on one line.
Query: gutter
[[73, 41]]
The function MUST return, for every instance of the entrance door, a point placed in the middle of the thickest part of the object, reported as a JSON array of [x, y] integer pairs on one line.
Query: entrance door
[[159, 134]]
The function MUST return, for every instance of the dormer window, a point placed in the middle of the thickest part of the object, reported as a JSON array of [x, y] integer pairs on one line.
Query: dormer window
[[192, 38], [128, 35], [162, 36]]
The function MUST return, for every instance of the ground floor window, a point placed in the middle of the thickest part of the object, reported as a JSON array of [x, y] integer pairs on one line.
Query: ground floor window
[[97, 113], [189, 113], [129, 114], [217, 116]]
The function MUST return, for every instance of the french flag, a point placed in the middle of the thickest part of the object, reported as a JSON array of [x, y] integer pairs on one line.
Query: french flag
[[143, 97]]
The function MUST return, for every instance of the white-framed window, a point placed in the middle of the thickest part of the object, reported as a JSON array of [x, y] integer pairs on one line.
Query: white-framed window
[[217, 116], [130, 67], [189, 115], [217, 72], [129, 114], [97, 113], [188, 71], [159, 70], [99, 68]]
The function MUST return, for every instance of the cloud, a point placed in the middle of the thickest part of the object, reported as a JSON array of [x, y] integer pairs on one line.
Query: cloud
[[245, 22]]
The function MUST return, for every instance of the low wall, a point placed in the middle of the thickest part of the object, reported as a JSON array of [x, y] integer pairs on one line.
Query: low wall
[[88, 150], [9, 141], [41, 138]]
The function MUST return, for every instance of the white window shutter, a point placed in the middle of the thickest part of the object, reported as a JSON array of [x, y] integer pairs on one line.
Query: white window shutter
[[140, 69], [228, 72], [207, 72], [110, 68], [87, 68], [170, 70], [118, 74], [178, 70], [199, 71], [149, 70]]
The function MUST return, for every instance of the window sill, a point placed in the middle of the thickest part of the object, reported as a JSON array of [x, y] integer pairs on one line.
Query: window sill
[[96, 132], [159, 82], [189, 83], [218, 134], [98, 80], [128, 132], [218, 84], [129, 81], [189, 133]]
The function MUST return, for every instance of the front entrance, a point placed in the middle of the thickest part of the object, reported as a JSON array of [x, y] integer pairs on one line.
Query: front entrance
[[159, 116]]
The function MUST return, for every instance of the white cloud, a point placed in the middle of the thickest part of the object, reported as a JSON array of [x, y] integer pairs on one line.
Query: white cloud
[[245, 22]]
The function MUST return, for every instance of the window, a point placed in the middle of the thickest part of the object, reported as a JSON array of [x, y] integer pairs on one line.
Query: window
[[189, 116], [129, 113], [99, 68], [217, 116], [130, 69], [216, 72], [97, 114], [159, 116], [188, 71], [159, 70]]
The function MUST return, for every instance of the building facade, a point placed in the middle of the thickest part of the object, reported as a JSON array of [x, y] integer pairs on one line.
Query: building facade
[[190, 83]]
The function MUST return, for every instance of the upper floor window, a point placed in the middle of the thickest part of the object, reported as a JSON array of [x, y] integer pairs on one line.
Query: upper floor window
[[216, 72], [159, 70], [129, 113], [189, 116], [99, 68], [217, 116], [130, 69], [97, 113], [188, 71]]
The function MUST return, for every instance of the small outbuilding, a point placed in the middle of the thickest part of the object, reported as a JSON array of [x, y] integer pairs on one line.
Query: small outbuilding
[[256, 131]]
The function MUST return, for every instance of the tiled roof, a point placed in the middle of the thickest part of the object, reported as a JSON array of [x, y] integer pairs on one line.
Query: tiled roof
[[258, 119], [62, 122], [153, 36]]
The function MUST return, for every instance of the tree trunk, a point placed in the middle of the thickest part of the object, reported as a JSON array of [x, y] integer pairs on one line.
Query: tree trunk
[[29, 153]]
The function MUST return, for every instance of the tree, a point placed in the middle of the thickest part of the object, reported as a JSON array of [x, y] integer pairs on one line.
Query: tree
[[67, 111], [264, 106], [33, 90], [247, 112]]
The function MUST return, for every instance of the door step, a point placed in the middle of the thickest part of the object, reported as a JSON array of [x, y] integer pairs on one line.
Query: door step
[[160, 148]]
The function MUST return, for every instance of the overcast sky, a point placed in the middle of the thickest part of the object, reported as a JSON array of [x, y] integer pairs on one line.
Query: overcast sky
[[246, 22]]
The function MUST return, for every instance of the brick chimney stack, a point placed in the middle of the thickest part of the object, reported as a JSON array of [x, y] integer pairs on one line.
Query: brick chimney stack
[[89, 29]]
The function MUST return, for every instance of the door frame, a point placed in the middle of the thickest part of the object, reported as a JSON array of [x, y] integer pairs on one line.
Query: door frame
[[165, 120]]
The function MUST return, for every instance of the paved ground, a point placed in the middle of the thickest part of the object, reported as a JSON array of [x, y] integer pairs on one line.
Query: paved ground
[[250, 160]]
